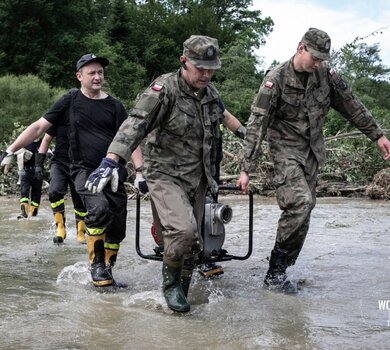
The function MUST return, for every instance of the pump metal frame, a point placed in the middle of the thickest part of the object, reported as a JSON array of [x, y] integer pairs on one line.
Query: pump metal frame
[[223, 257]]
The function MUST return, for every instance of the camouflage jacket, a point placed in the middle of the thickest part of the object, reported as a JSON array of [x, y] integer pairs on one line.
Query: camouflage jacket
[[183, 130], [292, 116]]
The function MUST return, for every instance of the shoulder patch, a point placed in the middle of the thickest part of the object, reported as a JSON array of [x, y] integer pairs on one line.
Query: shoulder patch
[[269, 84], [156, 87]]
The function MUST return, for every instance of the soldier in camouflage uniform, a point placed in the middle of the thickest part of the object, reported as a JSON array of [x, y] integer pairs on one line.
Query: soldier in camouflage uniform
[[181, 113], [290, 108]]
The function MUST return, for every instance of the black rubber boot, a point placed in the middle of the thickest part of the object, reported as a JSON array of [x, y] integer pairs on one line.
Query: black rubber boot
[[172, 288], [100, 276], [110, 257], [276, 278]]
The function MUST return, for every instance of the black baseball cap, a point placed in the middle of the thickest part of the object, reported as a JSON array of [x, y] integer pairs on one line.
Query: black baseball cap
[[90, 57]]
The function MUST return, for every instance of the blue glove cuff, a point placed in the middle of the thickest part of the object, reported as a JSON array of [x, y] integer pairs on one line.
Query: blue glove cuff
[[108, 162]]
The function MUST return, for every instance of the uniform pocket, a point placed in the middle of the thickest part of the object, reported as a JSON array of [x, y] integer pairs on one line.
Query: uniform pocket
[[181, 118], [289, 105]]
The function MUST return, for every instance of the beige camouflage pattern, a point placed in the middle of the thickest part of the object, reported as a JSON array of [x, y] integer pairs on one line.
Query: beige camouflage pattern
[[292, 117], [184, 131]]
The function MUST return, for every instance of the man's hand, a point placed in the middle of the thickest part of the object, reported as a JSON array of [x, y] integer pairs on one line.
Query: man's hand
[[243, 182], [140, 183], [6, 159], [384, 146], [107, 171]]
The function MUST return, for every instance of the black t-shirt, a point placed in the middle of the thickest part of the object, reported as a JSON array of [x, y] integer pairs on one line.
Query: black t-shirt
[[95, 122], [32, 147], [61, 150]]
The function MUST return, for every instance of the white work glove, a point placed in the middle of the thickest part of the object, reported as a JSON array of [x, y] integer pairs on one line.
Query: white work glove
[[140, 183], [6, 161], [22, 156], [106, 172]]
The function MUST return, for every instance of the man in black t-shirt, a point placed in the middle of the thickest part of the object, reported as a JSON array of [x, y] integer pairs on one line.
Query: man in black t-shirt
[[92, 119]]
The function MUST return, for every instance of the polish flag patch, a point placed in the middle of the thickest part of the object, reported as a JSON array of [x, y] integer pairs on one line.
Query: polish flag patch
[[269, 84], [157, 87]]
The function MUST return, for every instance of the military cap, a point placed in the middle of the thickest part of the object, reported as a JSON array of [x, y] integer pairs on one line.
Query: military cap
[[317, 43], [90, 57], [202, 51]]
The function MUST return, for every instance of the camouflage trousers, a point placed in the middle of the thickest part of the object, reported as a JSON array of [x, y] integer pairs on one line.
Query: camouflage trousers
[[296, 196], [180, 217]]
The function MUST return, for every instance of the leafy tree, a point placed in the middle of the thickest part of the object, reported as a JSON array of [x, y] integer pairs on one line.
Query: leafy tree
[[360, 65], [23, 99], [238, 80], [44, 36]]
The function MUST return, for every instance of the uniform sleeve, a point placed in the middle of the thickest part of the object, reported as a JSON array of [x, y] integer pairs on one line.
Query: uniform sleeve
[[220, 104], [262, 111], [146, 114], [351, 108]]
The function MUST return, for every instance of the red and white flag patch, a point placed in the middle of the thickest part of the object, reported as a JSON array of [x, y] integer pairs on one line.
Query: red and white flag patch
[[269, 84], [157, 87]]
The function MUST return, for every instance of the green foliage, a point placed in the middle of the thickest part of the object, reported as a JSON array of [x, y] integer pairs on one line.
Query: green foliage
[[238, 80], [44, 37], [354, 160], [23, 100], [360, 65]]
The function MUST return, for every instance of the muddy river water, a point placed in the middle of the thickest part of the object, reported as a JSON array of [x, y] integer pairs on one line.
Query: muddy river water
[[47, 302]]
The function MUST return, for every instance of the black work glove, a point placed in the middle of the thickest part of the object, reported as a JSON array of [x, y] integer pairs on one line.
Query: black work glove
[[140, 183], [240, 132], [39, 165]]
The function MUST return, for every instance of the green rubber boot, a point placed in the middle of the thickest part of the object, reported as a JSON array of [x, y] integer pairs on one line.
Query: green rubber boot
[[172, 288], [276, 277]]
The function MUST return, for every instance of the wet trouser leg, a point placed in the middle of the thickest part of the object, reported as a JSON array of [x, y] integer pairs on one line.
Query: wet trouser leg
[[181, 217], [296, 197], [105, 220], [157, 229], [59, 179], [79, 211], [25, 185], [36, 193]]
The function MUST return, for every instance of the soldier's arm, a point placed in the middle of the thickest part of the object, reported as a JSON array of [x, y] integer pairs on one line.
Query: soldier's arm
[[351, 108], [143, 118], [233, 124], [262, 111]]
